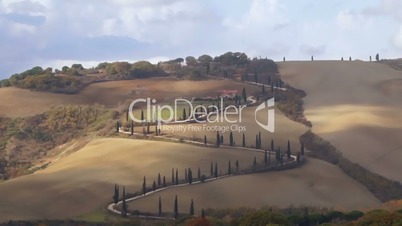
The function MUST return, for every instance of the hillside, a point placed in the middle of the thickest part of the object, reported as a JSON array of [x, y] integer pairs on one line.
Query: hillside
[[83, 181], [27, 144], [305, 186], [356, 106], [16, 102], [72, 80]]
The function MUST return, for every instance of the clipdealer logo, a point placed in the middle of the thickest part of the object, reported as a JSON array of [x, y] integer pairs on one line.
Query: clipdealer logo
[[269, 106], [215, 113]]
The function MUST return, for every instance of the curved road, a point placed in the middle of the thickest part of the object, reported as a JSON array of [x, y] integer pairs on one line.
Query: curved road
[[112, 206]]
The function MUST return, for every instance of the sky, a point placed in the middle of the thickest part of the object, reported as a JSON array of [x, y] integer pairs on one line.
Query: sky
[[54, 33]]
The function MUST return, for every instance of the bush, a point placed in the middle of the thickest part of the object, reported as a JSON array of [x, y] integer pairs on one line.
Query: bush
[[263, 218]]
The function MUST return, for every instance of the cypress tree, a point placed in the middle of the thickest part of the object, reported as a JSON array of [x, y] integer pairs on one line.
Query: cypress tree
[[244, 95], [176, 208], [255, 77], [244, 140], [148, 128], [154, 186], [237, 165], [164, 181], [205, 140], [229, 168], [185, 174], [132, 127], [272, 145], [184, 115], [124, 204], [142, 115], [127, 115], [288, 151], [177, 176], [221, 139], [266, 157], [269, 158], [199, 173], [160, 206], [144, 187], [117, 126], [159, 179], [256, 142], [218, 140], [212, 169], [302, 149], [216, 170], [255, 163], [272, 87], [192, 208], [350, 58], [342, 59], [262, 89], [173, 176], [370, 58], [202, 213], [116, 194], [190, 176], [312, 58], [231, 138], [259, 140], [279, 154], [377, 57]]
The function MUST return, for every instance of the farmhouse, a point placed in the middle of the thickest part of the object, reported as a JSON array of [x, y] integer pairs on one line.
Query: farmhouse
[[227, 94]]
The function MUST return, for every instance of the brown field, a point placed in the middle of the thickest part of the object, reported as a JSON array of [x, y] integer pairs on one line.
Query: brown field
[[285, 130], [83, 181], [17, 102], [356, 106], [306, 186]]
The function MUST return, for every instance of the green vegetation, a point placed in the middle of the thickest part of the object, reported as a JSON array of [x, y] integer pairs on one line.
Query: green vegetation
[[381, 187], [28, 139], [125, 70], [44, 80], [291, 104], [70, 80], [304, 216], [228, 65]]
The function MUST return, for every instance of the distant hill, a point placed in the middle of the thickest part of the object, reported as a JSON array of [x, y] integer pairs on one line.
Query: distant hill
[[71, 80]]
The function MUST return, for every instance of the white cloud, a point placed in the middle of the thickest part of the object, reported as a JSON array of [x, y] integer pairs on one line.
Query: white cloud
[[349, 20], [92, 32], [397, 39], [21, 29], [313, 50], [386, 7], [28, 7], [269, 13]]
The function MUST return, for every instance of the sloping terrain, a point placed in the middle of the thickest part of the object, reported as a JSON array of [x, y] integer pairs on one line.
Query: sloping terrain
[[16, 102], [356, 106], [305, 186], [84, 180]]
